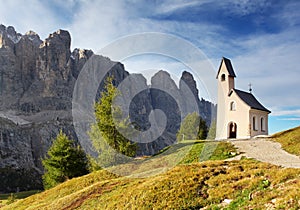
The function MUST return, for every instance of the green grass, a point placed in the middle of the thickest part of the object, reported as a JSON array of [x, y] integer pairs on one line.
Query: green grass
[[190, 184], [201, 151], [289, 140], [19, 195], [182, 153]]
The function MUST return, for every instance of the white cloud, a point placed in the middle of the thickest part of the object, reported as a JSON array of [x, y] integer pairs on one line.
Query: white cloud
[[290, 15], [99, 23], [25, 16], [291, 112], [270, 62], [170, 6], [272, 69], [237, 7], [291, 119]]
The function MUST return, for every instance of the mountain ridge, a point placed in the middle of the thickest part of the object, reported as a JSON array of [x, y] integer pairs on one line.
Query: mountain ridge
[[36, 85]]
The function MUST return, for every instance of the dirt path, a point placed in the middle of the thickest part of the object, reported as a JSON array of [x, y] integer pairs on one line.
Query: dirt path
[[266, 151]]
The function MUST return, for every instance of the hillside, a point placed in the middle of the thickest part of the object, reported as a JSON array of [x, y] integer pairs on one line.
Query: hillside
[[289, 140], [244, 184], [249, 184]]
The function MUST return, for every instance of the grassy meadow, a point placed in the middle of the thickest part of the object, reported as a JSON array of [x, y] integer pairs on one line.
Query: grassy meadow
[[199, 180], [289, 140]]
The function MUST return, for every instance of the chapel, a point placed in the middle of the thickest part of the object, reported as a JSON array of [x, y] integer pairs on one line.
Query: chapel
[[239, 114]]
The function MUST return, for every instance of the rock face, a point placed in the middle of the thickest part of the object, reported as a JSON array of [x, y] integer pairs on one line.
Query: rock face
[[36, 86], [206, 108], [162, 94]]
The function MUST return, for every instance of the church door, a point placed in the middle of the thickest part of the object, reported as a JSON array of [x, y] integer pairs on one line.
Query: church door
[[232, 130]]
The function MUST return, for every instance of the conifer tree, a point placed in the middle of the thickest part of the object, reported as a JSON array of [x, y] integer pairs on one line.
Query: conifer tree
[[192, 127], [203, 130], [64, 161], [212, 130], [105, 133]]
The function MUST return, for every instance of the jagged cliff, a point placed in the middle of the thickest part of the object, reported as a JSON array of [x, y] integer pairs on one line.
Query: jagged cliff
[[36, 85]]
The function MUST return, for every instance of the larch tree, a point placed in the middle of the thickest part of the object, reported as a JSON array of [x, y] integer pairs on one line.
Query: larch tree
[[105, 134]]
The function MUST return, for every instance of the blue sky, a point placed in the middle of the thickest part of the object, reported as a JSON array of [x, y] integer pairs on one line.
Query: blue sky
[[261, 37]]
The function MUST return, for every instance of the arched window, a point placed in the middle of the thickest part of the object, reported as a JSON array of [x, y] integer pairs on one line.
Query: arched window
[[223, 77], [254, 124], [232, 106], [262, 124]]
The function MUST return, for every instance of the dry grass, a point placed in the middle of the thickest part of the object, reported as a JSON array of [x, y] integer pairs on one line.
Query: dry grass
[[289, 140], [250, 185]]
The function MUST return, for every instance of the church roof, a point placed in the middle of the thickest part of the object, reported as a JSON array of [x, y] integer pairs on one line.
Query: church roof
[[250, 100], [228, 65]]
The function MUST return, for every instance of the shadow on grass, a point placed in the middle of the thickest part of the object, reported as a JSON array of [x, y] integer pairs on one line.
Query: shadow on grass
[[19, 195]]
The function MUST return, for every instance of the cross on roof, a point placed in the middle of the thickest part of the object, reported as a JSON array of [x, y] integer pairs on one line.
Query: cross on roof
[[250, 87]]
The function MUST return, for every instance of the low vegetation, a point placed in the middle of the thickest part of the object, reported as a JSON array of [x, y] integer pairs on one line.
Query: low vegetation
[[201, 179], [245, 184], [289, 140], [9, 198], [192, 151], [202, 151]]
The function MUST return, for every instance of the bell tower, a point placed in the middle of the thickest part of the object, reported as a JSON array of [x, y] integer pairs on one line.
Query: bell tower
[[225, 77]]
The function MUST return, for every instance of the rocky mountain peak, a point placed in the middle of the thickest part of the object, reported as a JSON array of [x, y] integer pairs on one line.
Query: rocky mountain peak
[[8, 36], [78, 54], [34, 37], [2, 28], [58, 39], [10, 32], [78, 59], [54, 56], [163, 79], [189, 80], [29, 33]]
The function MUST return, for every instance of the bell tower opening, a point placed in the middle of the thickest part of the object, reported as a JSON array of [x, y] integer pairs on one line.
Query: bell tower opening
[[223, 76]]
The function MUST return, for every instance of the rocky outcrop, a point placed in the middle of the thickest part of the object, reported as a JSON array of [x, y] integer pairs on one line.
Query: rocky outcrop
[[206, 109], [21, 148], [162, 94], [36, 86]]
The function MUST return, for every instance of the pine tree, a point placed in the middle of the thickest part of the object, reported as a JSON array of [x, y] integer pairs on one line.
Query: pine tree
[[64, 161], [105, 135], [189, 127], [212, 130], [192, 127], [203, 130]]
